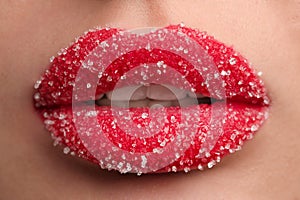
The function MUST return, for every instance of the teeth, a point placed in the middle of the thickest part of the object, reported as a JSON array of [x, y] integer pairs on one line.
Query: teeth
[[159, 104], [152, 95], [128, 93], [159, 92], [146, 103], [138, 104], [122, 104]]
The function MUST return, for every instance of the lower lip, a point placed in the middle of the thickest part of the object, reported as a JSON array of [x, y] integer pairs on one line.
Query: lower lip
[[146, 140], [242, 121]]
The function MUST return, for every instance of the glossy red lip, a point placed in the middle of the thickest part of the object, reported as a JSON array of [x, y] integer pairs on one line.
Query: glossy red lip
[[145, 140]]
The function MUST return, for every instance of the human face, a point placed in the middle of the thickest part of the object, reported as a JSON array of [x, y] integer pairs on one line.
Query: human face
[[265, 32]]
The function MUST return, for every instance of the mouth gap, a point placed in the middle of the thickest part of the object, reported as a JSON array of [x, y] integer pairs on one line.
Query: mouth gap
[[151, 96], [152, 103]]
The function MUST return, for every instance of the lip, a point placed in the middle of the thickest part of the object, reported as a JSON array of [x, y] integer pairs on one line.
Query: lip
[[184, 141]]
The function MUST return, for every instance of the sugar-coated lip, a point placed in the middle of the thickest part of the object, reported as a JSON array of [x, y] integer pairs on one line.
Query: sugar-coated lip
[[146, 140]]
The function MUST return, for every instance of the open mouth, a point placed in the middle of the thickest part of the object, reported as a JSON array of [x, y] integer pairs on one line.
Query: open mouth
[[152, 96], [171, 99]]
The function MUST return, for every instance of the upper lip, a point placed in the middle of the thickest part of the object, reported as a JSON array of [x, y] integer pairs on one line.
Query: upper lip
[[56, 86]]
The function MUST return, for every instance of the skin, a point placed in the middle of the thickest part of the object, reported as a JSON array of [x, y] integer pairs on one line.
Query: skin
[[265, 32]]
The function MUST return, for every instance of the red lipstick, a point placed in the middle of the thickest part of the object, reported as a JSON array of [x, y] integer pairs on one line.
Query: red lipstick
[[151, 100]]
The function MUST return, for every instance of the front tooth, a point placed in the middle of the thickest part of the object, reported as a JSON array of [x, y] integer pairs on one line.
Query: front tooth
[[158, 104], [194, 95], [128, 93], [165, 93], [138, 104]]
